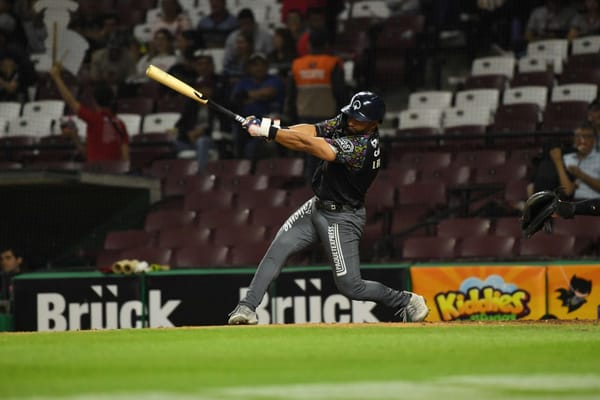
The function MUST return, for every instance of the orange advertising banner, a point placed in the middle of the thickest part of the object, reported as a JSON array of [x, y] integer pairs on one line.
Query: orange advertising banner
[[481, 293], [571, 293]]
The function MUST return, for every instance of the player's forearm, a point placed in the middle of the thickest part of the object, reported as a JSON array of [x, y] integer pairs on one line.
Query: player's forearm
[[567, 209], [299, 141]]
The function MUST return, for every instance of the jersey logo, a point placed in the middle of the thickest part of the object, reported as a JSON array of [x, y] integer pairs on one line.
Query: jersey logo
[[374, 142], [346, 145], [356, 105]]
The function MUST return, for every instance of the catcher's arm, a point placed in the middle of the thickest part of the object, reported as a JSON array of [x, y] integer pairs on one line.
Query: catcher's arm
[[568, 209]]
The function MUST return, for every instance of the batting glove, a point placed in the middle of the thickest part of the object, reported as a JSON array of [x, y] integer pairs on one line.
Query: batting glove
[[265, 127]]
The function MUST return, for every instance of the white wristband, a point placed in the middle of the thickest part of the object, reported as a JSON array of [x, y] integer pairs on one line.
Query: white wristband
[[265, 124]]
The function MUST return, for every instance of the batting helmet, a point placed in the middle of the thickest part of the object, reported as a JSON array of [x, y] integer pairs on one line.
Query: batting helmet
[[365, 106]]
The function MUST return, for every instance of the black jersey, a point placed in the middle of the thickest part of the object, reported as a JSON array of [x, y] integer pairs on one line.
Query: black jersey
[[347, 179]]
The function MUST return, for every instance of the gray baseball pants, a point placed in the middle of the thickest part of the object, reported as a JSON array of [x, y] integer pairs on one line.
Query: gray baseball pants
[[339, 233]]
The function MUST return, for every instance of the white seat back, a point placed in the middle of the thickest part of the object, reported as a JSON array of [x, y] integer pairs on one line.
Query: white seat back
[[526, 94], [160, 122], [463, 116], [574, 92], [586, 45], [430, 99], [488, 98], [494, 66], [425, 118], [133, 122]]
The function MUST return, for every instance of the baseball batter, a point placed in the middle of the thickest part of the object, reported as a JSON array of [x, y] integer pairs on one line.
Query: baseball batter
[[349, 149]]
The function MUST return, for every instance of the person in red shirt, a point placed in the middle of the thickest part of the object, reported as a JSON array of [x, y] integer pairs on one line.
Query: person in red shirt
[[106, 135]]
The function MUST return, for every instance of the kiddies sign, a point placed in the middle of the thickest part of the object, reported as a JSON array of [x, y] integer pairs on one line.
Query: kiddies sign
[[481, 293]]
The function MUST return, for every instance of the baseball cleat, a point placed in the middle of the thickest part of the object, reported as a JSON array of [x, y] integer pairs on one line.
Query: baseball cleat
[[415, 311], [242, 315]]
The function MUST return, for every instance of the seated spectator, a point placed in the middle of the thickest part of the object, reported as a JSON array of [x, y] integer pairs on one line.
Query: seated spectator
[[551, 20], [262, 38], [235, 66], [284, 51], [216, 26], [578, 172], [12, 87], [69, 130], [161, 54], [106, 136], [256, 93], [14, 50], [172, 18], [113, 63], [186, 43], [316, 21], [587, 22]]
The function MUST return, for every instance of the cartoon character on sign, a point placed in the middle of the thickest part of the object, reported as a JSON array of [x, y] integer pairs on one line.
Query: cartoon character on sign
[[478, 300], [575, 296]]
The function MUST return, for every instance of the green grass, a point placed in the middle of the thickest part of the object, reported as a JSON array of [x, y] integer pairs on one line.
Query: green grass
[[206, 360]]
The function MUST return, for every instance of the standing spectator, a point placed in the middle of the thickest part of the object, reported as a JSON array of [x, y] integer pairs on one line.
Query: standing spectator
[[216, 26], [106, 136], [12, 87], [579, 172], [317, 21], [172, 18], [316, 86], [235, 66], [284, 51], [33, 25], [12, 49], [256, 93], [551, 20], [262, 38], [8, 22], [294, 21], [160, 54], [588, 22]]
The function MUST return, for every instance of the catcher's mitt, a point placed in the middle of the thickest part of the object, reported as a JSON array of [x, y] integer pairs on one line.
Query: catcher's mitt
[[538, 212]]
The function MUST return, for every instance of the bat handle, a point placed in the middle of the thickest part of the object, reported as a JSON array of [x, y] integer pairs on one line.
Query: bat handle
[[227, 112]]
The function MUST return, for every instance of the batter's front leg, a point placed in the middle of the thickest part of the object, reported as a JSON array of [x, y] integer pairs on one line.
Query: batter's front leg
[[297, 233]]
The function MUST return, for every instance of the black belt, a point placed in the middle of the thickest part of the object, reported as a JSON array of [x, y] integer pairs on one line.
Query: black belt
[[330, 205]]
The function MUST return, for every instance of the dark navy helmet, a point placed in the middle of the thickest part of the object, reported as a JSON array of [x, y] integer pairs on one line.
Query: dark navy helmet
[[365, 106]]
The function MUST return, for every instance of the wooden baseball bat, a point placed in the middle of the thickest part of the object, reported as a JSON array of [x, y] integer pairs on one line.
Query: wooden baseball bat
[[179, 86]]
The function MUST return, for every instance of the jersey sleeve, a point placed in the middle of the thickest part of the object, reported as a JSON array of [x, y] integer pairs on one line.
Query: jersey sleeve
[[87, 114], [350, 150], [326, 128]]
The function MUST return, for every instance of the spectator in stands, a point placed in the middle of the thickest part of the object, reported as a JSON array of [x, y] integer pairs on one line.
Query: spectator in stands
[[12, 263], [172, 18], [12, 87], [113, 63], [194, 129], [17, 52], [33, 25], [284, 51], [594, 113], [256, 93], [262, 38], [186, 43], [8, 22], [101, 32], [579, 172], [184, 68], [316, 86], [160, 54], [294, 21], [216, 26], [552, 20], [106, 136], [235, 66], [331, 10], [69, 130], [316, 21], [588, 22]]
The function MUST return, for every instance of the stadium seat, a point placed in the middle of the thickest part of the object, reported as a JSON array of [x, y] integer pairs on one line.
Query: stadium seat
[[200, 183], [588, 75], [536, 78], [133, 122], [225, 235], [162, 219], [432, 194], [265, 197], [271, 217], [421, 118], [36, 125], [480, 158], [207, 255], [526, 95], [209, 200], [369, 9], [229, 167], [395, 175], [52, 108], [430, 100], [419, 160], [119, 240], [160, 122], [482, 98], [486, 246], [467, 119], [564, 115], [545, 245], [485, 66], [520, 117], [248, 254], [429, 248], [583, 226], [173, 167], [586, 45], [501, 173], [557, 49], [298, 196], [574, 92], [244, 183], [107, 166], [10, 109], [458, 175], [540, 63], [216, 217], [495, 82], [135, 105], [184, 236], [462, 227], [286, 167], [508, 226]]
